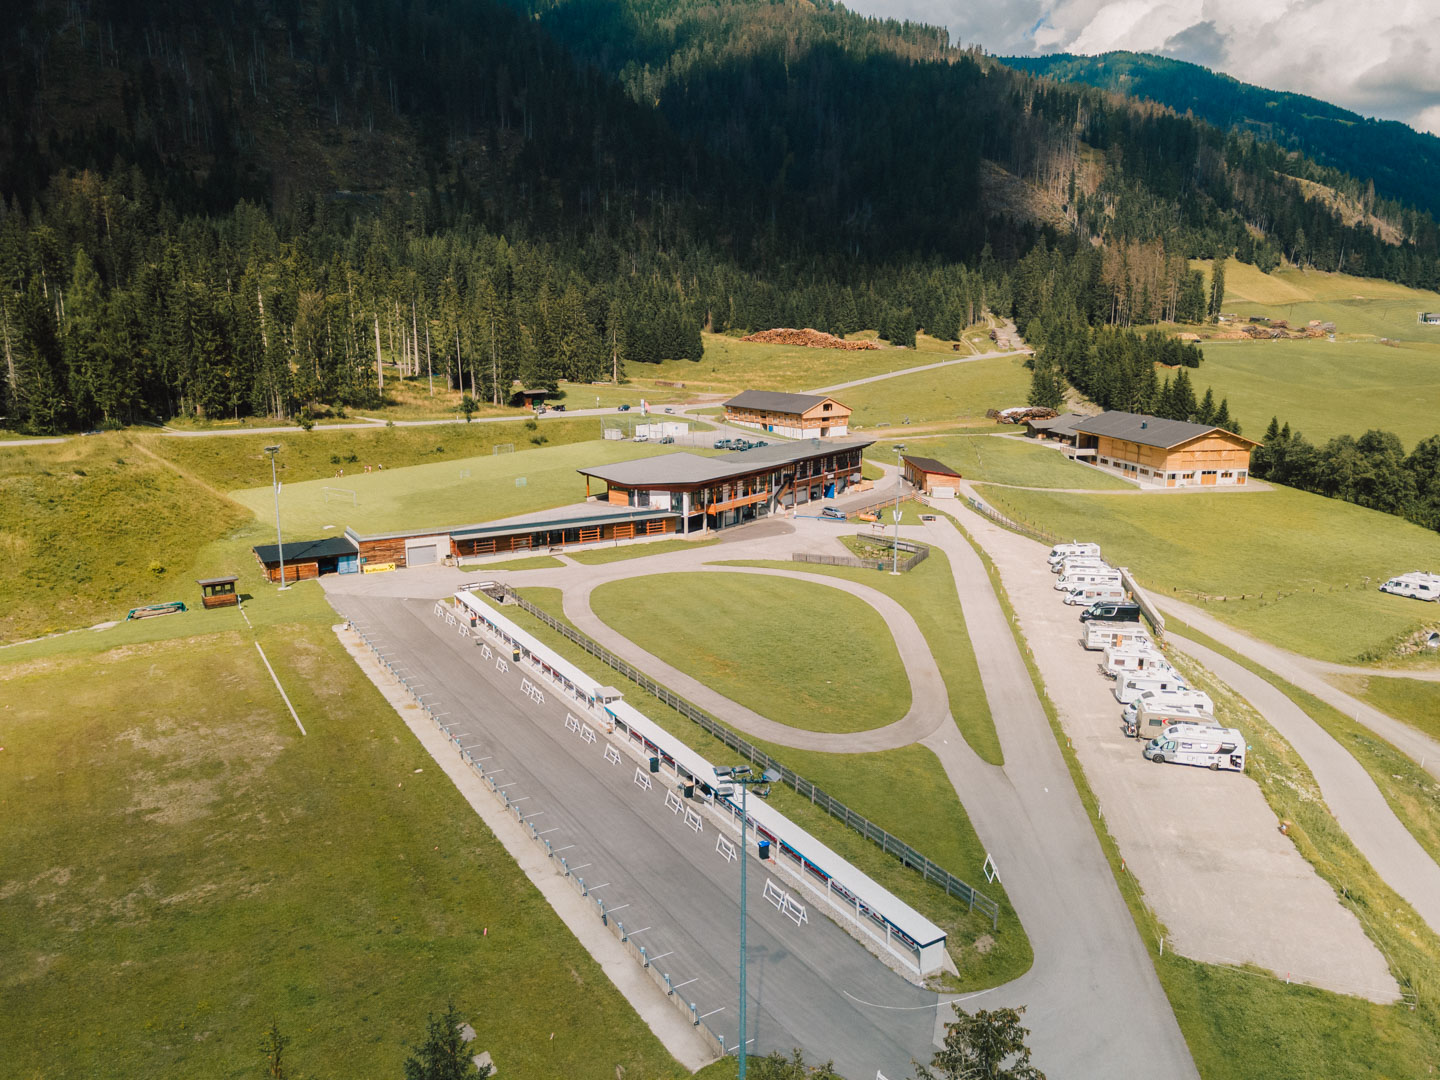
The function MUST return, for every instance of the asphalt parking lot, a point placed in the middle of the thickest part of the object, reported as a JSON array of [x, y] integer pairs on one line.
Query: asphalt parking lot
[[809, 986]]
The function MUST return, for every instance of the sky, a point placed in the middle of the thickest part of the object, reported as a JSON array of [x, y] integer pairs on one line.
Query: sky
[[1377, 57]]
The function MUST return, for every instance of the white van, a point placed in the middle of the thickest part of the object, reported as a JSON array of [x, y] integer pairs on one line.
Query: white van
[[1179, 698], [1130, 658], [1130, 685], [1417, 586], [1154, 718], [1096, 593], [1073, 579], [1101, 635], [1213, 747], [1060, 551]]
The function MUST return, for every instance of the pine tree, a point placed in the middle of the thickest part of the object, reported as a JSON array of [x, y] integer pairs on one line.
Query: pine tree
[[1047, 385], [1273, 431], [442, 1056], [1223, 420], [1205, 411], [1217, 286]]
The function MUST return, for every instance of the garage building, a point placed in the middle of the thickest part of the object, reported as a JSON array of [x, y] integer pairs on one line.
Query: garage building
[[931, 477]]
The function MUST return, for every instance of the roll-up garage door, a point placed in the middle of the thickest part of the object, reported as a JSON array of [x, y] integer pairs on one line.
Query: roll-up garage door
[[423, 552]]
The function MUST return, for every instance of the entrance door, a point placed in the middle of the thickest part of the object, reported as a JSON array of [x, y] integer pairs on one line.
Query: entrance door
[[1207, 477]]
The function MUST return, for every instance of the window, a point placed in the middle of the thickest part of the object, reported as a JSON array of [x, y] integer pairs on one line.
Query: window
[[825, 407]]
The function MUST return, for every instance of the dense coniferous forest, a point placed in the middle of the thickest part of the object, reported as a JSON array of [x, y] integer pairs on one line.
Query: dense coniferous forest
[[245, 208], [1397, 160]]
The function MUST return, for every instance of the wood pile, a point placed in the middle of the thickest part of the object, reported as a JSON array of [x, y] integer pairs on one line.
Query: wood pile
[[1020, 414], [810, 339]]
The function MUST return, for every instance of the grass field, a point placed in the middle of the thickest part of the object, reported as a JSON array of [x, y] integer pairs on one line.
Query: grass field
[[1244, 1024], [90, 529], [239, 461], [928, 594], [179, 867], [1001, 460], [442, 494], [904, 791], [757, 640], [1324, 388], [962, 393], [1317, 552], [1413, 700], [600, 556]]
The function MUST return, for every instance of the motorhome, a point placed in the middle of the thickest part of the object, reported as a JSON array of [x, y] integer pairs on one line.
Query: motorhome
[[1091, 594], [1073, 579], [1129, 658], [1154, 717], [1130, 685], [1417, 586], [1079, 562], [1060, 551], [1112, 611], [1180, 698], [1213, 747], [1101, 635]]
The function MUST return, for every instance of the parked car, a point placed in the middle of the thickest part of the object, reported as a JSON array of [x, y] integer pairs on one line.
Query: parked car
[[722, 444], [624, 408], [833, 512], [642, 438], [668, 409], [667, 438], [558, 408]]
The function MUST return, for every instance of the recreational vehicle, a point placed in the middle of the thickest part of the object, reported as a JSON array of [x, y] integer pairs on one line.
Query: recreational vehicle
[[1101, 635], [1154, 717], [1129, 686], [1060, 551], [1181, 698], [1213, 747], [1079, 562], [1091, 594], [1073, 579], [1125, 659], [1417, 586]]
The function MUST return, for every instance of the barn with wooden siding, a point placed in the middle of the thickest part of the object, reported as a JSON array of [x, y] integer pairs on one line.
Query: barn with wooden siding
[[931, 477], [1166, 453], [305, 559], [797, 416]]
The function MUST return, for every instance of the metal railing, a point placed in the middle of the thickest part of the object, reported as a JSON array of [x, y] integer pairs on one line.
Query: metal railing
[[1013, 525], [928, 869], [883, 504], [918, 554]]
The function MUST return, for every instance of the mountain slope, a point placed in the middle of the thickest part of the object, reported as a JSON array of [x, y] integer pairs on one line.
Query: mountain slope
[[1401, 161]]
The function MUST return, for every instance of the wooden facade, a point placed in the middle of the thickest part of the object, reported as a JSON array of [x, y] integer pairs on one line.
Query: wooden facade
[[1216, 458], [796, 416], [545, 539]]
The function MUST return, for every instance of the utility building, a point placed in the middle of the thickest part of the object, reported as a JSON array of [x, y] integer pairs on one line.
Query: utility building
[[1167, 453], [797, 416], [931, 477]]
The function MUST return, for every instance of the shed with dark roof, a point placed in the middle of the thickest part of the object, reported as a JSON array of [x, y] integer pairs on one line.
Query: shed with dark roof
[[1169, 453], [930, 477], [305, 559]]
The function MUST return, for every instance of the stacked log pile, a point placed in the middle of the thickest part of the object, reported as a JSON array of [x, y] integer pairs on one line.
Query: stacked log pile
[[810, 339]]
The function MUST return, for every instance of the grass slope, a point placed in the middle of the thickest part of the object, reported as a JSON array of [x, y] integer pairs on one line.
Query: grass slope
[[445, 493], [1002, 460], [179, 867], [1412, 700], [905, 792], [90, 529], [1316, 551], [801, 654], [961, 392]]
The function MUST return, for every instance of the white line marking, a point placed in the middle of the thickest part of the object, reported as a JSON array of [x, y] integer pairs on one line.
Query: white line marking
[[662, 956], [914, 1008], [545, 832], [687, 982], [712, 1012], [283, 695]]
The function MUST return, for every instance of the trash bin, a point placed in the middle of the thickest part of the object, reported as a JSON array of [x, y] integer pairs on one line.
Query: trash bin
[[763, 849]]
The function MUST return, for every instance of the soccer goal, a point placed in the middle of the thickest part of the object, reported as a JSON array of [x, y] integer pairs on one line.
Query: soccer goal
[[340, 494], [504, 448]]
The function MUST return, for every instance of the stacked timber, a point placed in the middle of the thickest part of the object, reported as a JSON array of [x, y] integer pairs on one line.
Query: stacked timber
[[810, 339]]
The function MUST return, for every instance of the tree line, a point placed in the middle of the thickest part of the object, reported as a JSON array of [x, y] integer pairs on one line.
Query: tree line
[[1373, 470]]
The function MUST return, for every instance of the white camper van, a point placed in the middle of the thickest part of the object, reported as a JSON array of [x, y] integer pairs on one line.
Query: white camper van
[[1101, 635], [1213, 747], [1130, 685], [1060, 551], [1125, 659], [1079, 562], [1094, 594], [1178, 698], [1073, 579], [1153, 718], [1417, 586]]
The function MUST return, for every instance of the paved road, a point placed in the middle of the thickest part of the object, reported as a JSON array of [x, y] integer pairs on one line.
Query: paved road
[[1302, 672], [668, 886], [1347, 788]]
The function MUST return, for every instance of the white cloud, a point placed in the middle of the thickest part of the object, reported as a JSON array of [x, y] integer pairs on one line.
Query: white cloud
[[1378, 57]]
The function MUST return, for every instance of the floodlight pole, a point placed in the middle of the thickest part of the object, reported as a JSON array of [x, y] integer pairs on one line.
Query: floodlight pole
[[739, 775], [895, 514], [279, 543]]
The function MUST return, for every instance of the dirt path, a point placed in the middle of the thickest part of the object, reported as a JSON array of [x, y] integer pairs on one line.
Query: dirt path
[[916, 370]]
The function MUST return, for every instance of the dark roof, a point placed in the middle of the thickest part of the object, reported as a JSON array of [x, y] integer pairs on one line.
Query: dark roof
[[683, 468], [306, 550], [216, 580], [1148, 430], [1064, 424], [930, 465], [774, 401], [603, 515]]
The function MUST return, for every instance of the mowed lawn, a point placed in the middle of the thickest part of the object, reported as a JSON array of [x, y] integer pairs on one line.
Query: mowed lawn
[[1328, 388], [1355, 305], [960, 392], [1001, 460], [179, 867], [445, 493], [1416, 701], [1318, 552], [799, 653]]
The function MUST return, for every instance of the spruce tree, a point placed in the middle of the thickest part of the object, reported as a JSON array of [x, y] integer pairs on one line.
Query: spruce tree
[[1205, 411], [1273, 431], [1217, 286]]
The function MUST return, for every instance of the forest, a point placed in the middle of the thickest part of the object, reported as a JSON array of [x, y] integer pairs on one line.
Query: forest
[[258, 208]]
